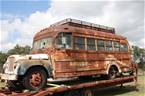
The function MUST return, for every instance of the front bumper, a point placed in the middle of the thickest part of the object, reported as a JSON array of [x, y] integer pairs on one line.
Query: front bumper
[[8, 77]]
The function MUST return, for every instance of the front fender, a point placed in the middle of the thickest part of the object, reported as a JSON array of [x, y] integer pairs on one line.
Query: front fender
[[24, 66]]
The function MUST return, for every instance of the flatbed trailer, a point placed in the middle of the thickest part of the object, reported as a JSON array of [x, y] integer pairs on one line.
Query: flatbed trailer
[[78, 89]]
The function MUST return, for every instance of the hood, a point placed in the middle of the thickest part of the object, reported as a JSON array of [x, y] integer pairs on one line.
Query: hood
[[31, 56]]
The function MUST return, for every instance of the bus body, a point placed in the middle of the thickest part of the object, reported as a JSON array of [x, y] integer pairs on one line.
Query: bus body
[[68, 49], [81, 50]]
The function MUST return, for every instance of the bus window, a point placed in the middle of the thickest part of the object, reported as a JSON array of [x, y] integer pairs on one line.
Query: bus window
[[123, 47], [91, 44], [48, 42], [116, 46], [101, 45], [109, 46], [64, 40], [36, 45], [43, 43], [79, 43]]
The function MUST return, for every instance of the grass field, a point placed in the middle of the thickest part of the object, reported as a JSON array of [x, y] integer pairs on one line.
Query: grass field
[[128, 90]]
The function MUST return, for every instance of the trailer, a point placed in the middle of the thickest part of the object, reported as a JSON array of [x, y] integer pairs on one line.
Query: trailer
[[77, 88]]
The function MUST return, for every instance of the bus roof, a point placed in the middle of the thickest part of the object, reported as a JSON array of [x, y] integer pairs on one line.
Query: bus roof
[[78, 27], [84, 24]]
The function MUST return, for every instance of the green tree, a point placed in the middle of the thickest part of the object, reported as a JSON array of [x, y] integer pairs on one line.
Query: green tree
[[139, 56], [19, 50], [3, 57]]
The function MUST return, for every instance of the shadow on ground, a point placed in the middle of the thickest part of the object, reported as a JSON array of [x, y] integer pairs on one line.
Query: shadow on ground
[[116, 90]]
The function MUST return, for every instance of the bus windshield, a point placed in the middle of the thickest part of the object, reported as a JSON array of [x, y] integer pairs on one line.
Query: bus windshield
[[64, 40], [43, 43]]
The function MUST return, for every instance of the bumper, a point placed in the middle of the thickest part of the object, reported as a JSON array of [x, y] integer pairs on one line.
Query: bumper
[[8, 77]]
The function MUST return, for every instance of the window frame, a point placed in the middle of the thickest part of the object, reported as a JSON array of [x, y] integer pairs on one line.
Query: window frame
[[102, 45], [61, 35], [109, 45], [92, 45], [124, 48], [82, 44], [116, 46]]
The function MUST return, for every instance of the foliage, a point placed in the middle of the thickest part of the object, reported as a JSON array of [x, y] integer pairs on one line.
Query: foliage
[[139, 56], [3, 57], [16, 50], [19, 50]]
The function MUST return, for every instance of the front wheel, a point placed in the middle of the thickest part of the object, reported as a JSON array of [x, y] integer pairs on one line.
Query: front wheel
[[35, 79]]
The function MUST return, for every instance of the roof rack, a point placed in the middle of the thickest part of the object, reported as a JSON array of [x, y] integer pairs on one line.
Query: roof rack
[[84, 24]]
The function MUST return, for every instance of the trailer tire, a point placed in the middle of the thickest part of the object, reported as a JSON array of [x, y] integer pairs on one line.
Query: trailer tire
[[87, 92], [14, 85], [72, 93], [35, 79]]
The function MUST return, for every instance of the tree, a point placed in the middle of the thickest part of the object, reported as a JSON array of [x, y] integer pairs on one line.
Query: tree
[[139, 56], [19, 50], [3, 57]]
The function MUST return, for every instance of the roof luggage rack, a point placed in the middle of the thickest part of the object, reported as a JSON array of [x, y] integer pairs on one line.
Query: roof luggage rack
[[84, 24]]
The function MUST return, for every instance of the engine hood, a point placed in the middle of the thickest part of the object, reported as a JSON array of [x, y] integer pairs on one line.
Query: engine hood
[[31, 56]]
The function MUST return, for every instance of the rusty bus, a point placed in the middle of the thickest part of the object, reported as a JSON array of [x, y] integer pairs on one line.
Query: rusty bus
[[68, 49]]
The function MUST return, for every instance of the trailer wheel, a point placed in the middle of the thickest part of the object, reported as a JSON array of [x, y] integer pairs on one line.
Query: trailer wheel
[[14, 85], [87, 92], [35, 79], [113, 72], [72, 93]]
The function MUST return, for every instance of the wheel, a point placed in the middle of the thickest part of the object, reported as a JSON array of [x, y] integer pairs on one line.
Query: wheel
[[72, 93], [14, 85], [113, 72], [35, 79], [87, 92]]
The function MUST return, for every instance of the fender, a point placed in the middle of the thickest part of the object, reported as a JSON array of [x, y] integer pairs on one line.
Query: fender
[[109, 65], [24, 66]]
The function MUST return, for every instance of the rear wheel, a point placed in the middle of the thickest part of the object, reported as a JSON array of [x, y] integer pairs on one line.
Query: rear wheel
[[113, 72], [35, 79]]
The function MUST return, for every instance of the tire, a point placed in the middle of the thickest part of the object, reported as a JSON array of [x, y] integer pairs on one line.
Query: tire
[[113, 72], [14, 85], [72, 93], [87, 92], [35, 79]]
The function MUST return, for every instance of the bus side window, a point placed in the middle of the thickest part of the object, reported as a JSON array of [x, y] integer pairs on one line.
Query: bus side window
[[101, 45], [109, 46], [79, 43], [91, 44], [123, 47], [116, 46], [64, 40]]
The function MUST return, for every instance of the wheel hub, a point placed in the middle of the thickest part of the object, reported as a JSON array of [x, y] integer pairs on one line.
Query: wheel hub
[[35, 79]]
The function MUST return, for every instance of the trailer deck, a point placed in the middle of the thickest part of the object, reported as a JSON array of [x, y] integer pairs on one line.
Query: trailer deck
[[58, 89]]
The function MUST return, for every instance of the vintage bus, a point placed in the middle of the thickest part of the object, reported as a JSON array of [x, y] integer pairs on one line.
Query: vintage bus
[[73, 48]]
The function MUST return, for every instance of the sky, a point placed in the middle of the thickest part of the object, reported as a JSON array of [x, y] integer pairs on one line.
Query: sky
[[20, 20]]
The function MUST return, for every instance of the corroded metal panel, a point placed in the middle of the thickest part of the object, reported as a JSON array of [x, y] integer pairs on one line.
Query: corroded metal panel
[[70, 62]]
